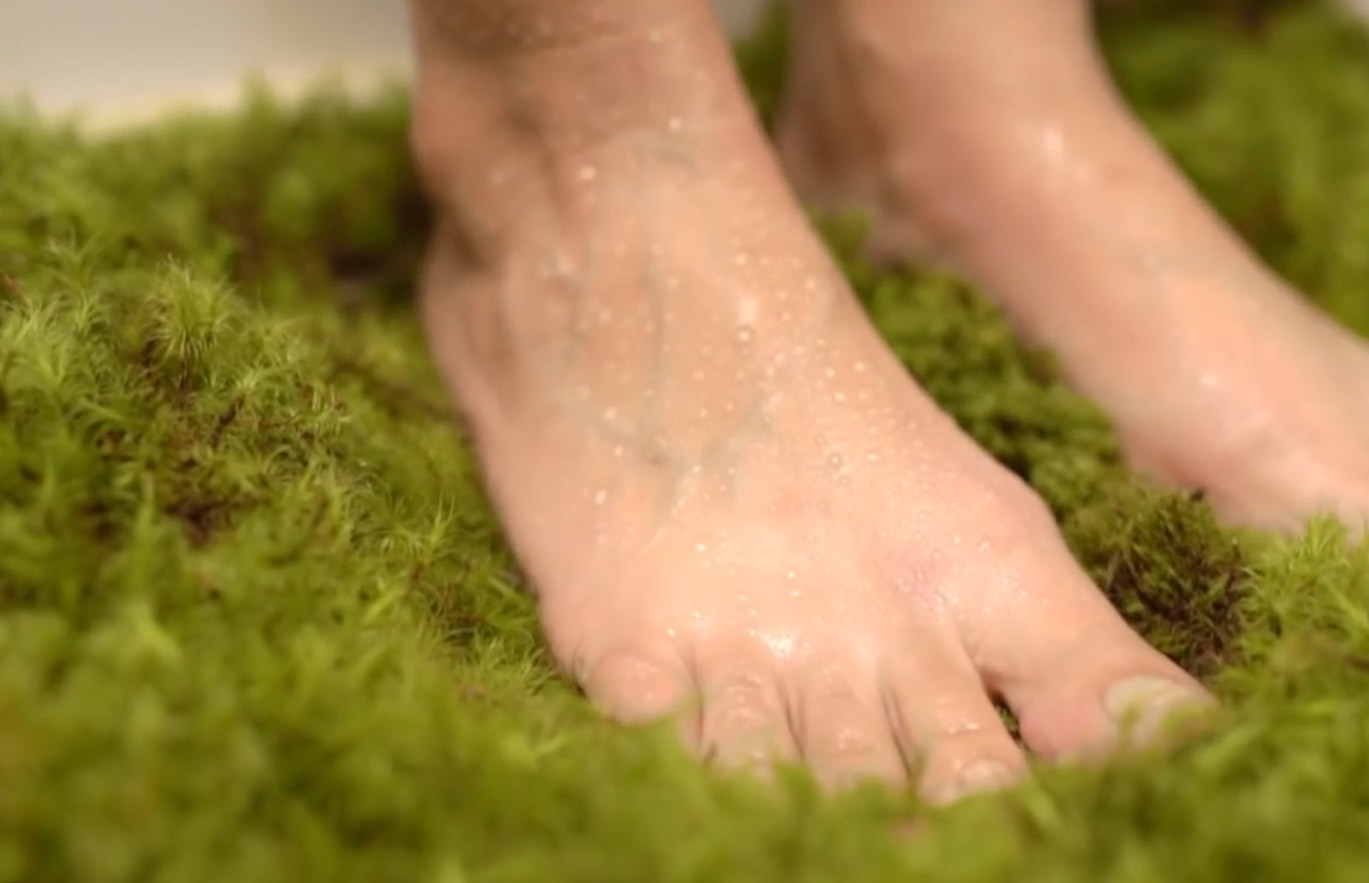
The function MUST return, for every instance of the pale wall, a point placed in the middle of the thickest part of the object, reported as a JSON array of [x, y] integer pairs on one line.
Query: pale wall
[[130, 57], [127, 59]]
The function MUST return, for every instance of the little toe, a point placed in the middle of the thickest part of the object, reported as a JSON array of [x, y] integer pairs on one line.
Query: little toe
[[637, 686], [843, 731]]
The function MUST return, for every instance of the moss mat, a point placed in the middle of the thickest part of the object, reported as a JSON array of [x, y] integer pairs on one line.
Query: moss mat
[[256, 622]]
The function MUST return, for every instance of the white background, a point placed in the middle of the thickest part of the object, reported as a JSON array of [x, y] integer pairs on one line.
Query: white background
[[128, 58]]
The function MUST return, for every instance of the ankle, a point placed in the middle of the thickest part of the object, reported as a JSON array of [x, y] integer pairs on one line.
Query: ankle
[[532, 156], [940, 117], [960, 46], [510, 107], [952, 76]]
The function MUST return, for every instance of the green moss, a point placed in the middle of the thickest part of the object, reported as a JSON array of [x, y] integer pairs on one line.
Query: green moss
[[256, 622]]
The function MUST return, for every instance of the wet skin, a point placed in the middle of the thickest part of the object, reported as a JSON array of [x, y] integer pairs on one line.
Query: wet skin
[[734, 504], [1217, 375]]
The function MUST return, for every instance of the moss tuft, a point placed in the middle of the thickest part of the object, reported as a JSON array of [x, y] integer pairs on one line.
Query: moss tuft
[[1172, 571]]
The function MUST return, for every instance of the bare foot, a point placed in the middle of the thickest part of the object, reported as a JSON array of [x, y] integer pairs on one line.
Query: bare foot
[[986, 136], [721, 483]]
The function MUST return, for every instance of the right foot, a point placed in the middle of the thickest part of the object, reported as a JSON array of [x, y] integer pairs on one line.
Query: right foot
[[721, 483]]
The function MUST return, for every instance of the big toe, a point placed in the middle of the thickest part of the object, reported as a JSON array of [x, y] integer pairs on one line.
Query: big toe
[[1083, 684]]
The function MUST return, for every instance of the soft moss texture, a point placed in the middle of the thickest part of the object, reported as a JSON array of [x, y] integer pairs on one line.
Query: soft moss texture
[[257, 624]]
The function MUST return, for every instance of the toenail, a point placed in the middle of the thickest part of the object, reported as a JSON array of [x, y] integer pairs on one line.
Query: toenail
[[1142, 704], [980, 776], [983, 775]]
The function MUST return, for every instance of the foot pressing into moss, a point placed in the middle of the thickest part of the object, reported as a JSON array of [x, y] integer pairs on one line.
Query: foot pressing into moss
[[722, 484]]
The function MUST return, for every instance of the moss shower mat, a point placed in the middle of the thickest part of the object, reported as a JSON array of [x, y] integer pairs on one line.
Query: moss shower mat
[[257, 624]]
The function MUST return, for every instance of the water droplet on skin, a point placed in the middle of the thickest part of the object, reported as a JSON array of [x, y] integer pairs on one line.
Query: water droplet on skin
[[859, 367], [836, 461], [745, 334], [796, 593], [830, 373], [618, 452], [1053, 143], [811, 283], [741, 259], [791, 575], [610, 413], [781, 645], [600, 497], [697, 375], [840, 396], [701, 548], [675, 124], [588, 173]]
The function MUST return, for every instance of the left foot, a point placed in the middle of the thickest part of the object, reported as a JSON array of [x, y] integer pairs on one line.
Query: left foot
[[1010, 158]]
